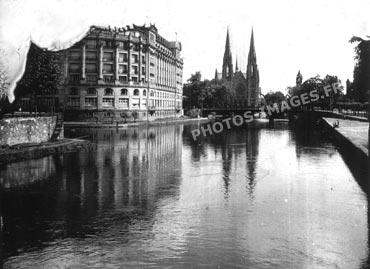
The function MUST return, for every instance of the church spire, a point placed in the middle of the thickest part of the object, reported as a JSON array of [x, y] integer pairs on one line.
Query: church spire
[[227, 66], [236, 65], [253, 78]]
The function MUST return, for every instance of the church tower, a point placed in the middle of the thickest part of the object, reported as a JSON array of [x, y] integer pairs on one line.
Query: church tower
[[298, 80], [253, 79], [227, 66]]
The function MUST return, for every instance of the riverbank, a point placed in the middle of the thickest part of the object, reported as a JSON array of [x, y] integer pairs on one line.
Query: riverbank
[[352, 135], [133, 124], [28, 151]]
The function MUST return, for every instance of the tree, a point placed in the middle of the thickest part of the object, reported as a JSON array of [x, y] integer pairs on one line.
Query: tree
[[274, 97], [361, 72], [4, 84], [43, 73]]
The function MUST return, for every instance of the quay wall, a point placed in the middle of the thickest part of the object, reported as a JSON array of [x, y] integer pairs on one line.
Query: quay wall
[[359, 153], [19, 130]]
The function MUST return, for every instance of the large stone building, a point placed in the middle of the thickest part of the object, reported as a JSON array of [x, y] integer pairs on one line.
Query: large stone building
[[244, 86], [113, 72]]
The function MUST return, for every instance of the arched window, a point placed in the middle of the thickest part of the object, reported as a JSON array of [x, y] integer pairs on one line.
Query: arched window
[[144, 92], [123, 91], [136, 92], [108, 91], [73, 91], [91, 91]]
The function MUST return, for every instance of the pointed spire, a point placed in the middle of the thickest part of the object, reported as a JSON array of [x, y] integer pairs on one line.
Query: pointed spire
[[227, 45], [252, 51], [216, 74], [236, 65], [227, 66]]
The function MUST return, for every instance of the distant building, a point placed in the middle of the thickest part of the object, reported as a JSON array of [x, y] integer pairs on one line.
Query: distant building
[[245, 86]]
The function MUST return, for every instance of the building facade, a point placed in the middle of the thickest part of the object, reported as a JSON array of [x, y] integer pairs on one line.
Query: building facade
[[244, 86], [115, 74]]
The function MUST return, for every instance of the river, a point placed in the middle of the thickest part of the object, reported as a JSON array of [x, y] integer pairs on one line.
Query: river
[[256, 196]]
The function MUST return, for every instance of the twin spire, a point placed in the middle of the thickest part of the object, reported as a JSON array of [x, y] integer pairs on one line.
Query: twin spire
[[227, 67]]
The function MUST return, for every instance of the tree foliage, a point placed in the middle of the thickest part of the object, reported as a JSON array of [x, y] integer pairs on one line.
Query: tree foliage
[[43, 72], [361, 72], [206, 93], [274, 97]]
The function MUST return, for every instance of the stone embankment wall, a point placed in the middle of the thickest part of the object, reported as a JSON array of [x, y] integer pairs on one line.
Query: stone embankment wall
[[27, 130]]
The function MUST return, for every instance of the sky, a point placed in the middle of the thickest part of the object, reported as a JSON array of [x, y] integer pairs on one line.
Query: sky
[[290, 35]]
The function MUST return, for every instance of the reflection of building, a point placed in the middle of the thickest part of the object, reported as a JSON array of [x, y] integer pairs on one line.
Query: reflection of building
[[245, 86], [128, 163]]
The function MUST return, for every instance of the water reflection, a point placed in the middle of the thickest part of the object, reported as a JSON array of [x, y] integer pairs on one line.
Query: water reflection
[[260, 196]]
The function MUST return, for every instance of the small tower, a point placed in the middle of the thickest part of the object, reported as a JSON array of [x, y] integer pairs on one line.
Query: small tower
[[236, 65], [253, 79], [227, 66], [216, 74], [298, 80]]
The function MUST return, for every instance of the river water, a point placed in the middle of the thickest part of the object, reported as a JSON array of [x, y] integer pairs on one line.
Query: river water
[[259, 196]]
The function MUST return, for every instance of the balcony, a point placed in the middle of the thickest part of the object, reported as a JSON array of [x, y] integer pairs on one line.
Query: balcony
[[109, 79], [91, 78]]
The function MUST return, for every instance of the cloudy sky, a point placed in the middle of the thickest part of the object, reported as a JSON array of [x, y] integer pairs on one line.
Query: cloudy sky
[[290, 35]]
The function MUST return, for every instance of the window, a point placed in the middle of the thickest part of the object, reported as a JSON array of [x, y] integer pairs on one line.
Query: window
[[122, 69], [73, 91], [136, 92], [108, 68], [134, 79], [143, 59], [122, 78], [74, 55], [91, 44], [108, 91], [152, 93], [123, 102], [123, 91], [91, 101], [144, 92], [108, 56], [74, 78], [74, 67], [91, 68], [109, 44], [91, 78], [108, 79], [91, 91], [122, 57], [108, 102], [135, 70], [91, 55], [135, 58], [151, 37], [73, 101], [136, 103]]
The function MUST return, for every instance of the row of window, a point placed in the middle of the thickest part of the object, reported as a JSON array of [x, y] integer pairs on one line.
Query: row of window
[[106, 102], [107, 56], [107, 91], [110, 91], [110, 44]]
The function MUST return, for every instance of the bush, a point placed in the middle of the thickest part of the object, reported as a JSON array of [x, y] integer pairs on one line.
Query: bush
[[193, 113]]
